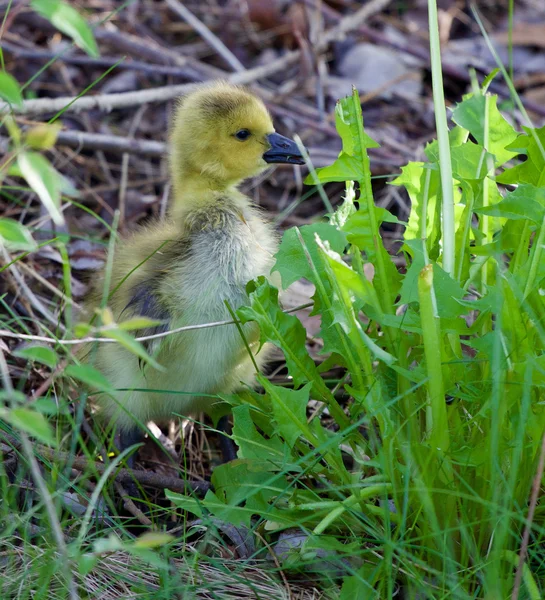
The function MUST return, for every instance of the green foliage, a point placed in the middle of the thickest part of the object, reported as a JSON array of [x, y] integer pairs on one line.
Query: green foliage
[[9, 89], [39, 354], [67, 19], [15, 236], [44, 179], [88, 375], [445, 372], [31, 422], [43, 136]]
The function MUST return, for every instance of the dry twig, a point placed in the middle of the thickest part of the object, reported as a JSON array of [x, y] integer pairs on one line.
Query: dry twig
[[124, 475], [206, 34]]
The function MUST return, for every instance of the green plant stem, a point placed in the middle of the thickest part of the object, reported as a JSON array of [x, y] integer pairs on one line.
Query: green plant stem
[[109, 263], [367, 190], [438, 427], [67, 280], [312, 170], [486, 218], [510, 37], [521, 253], [241, 333], [372, 490], [330, 400], [443, 142], [537, 253], [465, 234], [424, 216]]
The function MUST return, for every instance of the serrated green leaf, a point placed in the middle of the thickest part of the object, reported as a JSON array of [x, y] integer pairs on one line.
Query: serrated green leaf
[[345, 284], [470, 161], [291, 260], [15, 236], [486, 345], [68, 20], [44, 180], [242, 490], [532, 170], [41, 354], [351, 281], [471, 114], [341, 214], [289, 410], [526, 202], [349, 164], [31, 422], [422, 183], [252, 445], [360, 232], [358, 226], [9, 89], [186, 503], [89, 375], [283, 330]]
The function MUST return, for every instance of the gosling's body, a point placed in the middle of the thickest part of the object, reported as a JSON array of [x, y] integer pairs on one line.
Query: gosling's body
[[222, 250], [211, 244]]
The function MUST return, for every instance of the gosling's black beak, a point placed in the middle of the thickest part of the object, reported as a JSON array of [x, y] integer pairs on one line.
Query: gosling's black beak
[[283, 150]]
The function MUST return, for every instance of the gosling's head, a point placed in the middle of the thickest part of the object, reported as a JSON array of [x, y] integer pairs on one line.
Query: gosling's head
[[224, 134]]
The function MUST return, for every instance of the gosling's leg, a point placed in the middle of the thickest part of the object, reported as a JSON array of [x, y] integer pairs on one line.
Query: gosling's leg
[[124, 439], [128, 438], [228, 447]]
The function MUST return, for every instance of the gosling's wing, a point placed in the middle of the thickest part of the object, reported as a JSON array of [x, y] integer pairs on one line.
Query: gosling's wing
[[140, 263], [144, 301]]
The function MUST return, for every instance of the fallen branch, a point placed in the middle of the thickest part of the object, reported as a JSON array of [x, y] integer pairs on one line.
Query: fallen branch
[[212, 39], [108, 102], [82, 463], [144, 338], [102, 62], [111, 143]]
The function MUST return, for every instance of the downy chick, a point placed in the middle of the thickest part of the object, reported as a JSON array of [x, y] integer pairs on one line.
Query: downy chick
[[181, 270]]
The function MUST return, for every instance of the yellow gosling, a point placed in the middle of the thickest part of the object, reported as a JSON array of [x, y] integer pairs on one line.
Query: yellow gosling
[[211, 243]]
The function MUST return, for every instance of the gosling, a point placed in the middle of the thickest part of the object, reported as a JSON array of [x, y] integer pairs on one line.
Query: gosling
[[182, 270]]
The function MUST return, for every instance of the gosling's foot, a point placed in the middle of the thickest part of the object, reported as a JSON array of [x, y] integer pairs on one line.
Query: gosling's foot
[[228, 447]]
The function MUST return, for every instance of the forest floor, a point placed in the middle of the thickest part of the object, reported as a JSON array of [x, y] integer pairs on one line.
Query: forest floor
[[300, 57]]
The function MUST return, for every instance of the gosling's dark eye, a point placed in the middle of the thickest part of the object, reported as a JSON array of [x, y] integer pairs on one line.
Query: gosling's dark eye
[[242, 135]]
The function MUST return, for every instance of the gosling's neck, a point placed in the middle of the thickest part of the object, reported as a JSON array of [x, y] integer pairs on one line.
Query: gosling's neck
[[196, 190]]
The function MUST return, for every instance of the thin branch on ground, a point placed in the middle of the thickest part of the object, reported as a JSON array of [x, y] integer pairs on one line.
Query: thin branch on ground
[[145, 338], [124, 475], [212, 39], [108, 102]]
